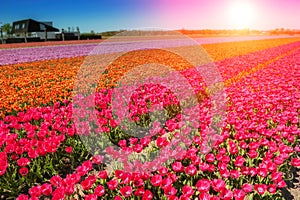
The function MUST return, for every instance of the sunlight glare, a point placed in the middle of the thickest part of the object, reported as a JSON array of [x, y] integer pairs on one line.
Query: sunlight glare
[[241, 14]]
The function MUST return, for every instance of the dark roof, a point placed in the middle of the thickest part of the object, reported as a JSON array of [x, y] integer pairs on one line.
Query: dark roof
[[30, 25]]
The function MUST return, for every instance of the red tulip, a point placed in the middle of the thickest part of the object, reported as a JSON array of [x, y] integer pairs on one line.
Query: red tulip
[[22, 162], [126, 191], [247, 187], [272, 188], [210, 157], [295, 162], [204, 196], [147, 195], [99, 190], [170, 191], [22, 197], [187, 191], [112, 184], [156, 180], [46, 189], [177, 167], [203, 185], [191, 170], [260, 188]]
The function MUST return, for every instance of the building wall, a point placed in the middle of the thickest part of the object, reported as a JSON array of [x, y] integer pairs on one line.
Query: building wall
[[50, 35], [41, 35]]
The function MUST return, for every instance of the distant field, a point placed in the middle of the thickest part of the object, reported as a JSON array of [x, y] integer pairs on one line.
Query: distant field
[[254, 146]]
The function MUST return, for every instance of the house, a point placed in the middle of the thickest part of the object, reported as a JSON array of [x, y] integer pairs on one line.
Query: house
[[30, 28]]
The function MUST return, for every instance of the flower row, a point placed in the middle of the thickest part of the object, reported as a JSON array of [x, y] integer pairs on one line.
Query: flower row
[[39, 83]]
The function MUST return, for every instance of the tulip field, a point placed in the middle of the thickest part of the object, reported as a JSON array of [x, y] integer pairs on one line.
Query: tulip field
[[255, 153]]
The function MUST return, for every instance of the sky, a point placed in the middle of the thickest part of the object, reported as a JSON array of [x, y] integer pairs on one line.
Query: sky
[[106, 15]]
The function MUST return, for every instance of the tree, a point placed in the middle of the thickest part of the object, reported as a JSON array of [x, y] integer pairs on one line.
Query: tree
[[7, 29], [78, 32], [63, 34]]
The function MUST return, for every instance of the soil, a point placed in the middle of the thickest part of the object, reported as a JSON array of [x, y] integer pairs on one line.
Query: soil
[[292, 191]]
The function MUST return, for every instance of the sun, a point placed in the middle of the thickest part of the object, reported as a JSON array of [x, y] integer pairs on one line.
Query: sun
[[241, 14]]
